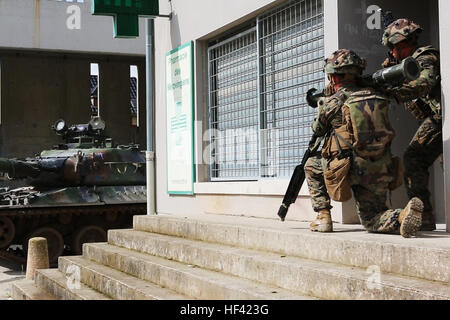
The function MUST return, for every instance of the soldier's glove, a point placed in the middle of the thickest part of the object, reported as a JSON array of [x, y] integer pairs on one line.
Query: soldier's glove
[[388, 63]]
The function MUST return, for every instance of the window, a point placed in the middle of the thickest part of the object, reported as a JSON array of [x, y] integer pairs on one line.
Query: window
[[94, 89], [260, 122], [1, 91], [134, 96]]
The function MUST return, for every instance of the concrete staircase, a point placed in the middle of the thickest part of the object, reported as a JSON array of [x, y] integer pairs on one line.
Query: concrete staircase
[[238, 258]]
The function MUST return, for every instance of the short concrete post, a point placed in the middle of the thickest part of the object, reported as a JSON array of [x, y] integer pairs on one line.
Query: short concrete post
[[37, 256]]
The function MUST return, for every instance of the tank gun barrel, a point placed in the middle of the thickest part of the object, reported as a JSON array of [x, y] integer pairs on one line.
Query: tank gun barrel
[[18, 169]]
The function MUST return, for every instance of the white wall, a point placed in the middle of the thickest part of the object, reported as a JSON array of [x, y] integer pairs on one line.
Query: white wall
[[42, 24], [210, 18], [444, 9]]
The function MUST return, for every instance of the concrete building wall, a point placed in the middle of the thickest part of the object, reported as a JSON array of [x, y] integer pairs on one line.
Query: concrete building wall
[[38, 88], [345, 26], [37, 91], [211, 19], [46, 48], [444, 8], [50, 25]]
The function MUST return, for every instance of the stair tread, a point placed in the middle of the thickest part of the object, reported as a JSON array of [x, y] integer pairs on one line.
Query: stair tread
[[83, 292], [341, 232], [337, 270], [426, 256], [29, 291], [262, 291], [148, 289]]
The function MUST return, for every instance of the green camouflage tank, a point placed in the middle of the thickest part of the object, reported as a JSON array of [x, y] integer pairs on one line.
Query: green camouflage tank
[[73, 193]]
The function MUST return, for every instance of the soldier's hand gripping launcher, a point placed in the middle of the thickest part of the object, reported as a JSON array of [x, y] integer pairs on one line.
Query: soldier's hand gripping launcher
[[408, 70]]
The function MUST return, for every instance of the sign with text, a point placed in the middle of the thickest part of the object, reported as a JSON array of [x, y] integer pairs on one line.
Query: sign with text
[[126, 14], [180, 120]]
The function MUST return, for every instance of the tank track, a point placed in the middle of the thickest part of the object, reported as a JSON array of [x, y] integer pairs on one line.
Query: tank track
[[28, 218]]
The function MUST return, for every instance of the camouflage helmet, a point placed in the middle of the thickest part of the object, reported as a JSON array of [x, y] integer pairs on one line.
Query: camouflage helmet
[[344, 61], [400, 30]]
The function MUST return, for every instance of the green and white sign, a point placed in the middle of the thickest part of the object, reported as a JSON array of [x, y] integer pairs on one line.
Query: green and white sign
[[125, 14], [180, 120]]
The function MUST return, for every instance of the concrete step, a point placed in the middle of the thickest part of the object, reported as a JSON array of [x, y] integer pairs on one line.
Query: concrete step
[[426, 257], [61, 286], [27, 290], [184, 278], [114, 283], [304, 276]]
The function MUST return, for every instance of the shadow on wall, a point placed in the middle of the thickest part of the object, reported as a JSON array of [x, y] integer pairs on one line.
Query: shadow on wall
[[361, 34], [175, 31]]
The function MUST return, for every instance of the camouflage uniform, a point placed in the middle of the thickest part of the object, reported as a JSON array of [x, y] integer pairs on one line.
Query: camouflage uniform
[[422, 98], [371, 171]]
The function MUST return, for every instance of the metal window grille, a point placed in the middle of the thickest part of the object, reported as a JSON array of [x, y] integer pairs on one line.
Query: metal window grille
[[234, 112], [260, 121]]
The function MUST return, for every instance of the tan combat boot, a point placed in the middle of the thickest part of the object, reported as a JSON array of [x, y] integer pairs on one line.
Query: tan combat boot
[[411, 218], [323, 222]]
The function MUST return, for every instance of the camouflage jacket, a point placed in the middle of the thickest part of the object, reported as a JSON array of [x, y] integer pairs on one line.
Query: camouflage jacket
[[354, 118], [329, 117], [360, 117], [426, 88], [329, 111]]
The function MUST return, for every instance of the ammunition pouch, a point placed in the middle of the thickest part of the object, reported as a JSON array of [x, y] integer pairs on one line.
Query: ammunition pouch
[[337, 179], [397, 174], [336, 175], [333, 145]]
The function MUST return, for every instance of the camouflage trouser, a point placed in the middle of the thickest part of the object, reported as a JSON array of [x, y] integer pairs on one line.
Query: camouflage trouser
[[370, 198], [372, 210], [370, 182], [424, 149], [314, 177]]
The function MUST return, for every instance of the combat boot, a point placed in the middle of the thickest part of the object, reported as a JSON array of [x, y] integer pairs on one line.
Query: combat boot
[[323, 222], [411, 218], [428, 222]]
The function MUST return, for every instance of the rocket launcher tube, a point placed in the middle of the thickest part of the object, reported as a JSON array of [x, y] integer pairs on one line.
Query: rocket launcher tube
[[408, 70]]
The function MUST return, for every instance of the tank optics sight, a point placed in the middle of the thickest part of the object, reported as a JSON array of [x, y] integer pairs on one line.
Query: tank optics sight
[[60, 127]]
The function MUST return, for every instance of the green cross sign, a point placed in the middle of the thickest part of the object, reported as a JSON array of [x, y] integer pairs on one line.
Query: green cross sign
[[126, 14]]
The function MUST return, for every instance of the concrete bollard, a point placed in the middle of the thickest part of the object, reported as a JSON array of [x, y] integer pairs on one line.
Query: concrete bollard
[[37, 256]]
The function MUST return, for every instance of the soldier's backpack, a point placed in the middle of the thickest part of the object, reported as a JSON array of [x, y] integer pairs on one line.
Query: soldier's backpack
[[365, 135], [366, 120]]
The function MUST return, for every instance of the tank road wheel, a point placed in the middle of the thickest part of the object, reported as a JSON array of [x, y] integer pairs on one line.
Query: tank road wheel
[[87, 234], [7, 232], [55, 242]]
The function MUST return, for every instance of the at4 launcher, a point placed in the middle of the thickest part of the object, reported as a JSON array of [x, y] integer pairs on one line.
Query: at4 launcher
[[408, 70]]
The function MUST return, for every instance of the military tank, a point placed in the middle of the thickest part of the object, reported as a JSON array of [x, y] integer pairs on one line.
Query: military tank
[[70, 194]]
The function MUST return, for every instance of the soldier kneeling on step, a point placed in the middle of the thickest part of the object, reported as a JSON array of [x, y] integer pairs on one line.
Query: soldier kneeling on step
[[356, 154]]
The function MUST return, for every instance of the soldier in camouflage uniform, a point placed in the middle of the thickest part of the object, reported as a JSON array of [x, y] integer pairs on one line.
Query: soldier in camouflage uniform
[[356, 126], [423, 98]]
